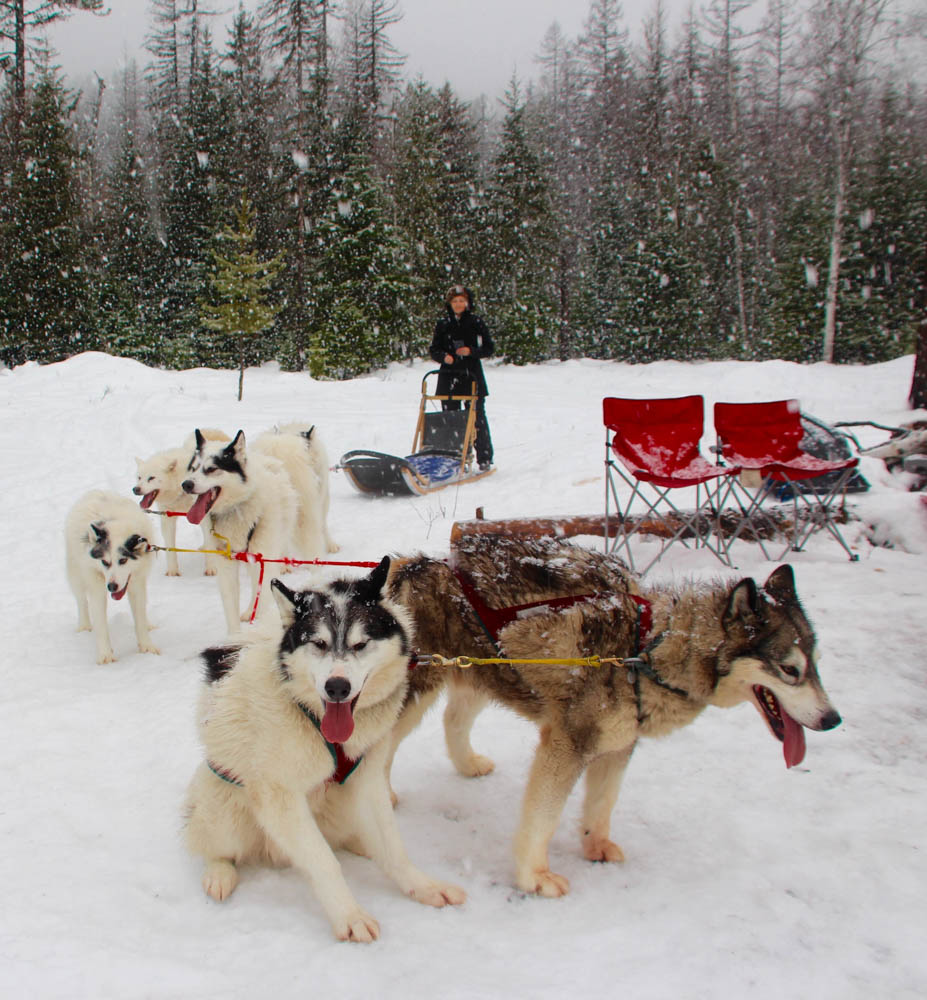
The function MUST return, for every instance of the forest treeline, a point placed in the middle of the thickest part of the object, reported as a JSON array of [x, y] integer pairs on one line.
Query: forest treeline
[[706, 192]]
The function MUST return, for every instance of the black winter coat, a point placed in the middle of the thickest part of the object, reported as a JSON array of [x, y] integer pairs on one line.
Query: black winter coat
[[451, 333]]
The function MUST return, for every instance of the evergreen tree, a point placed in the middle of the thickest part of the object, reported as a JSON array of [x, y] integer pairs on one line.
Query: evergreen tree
[[517, 273], [240, 284], [131, 258], [360, 290], [43, 288]]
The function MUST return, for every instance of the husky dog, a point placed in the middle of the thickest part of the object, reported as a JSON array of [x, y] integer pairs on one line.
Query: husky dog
[[107, 552], [159, 481], [253, 506], [303, 454], [296, 724], [717, 644]]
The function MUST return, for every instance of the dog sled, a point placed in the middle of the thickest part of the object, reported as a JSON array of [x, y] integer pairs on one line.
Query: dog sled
[[442, 452]]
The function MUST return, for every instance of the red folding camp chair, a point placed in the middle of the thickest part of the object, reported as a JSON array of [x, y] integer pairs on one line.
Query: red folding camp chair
[[766, 438], [652, 445]]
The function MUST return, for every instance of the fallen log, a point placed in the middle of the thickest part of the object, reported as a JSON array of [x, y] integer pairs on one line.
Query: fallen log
[[772, 522]]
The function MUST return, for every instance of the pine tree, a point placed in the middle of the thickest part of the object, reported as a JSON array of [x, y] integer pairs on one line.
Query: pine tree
[[360, 289], [43, 301], [517, 272], [132, 257], [240, 284]]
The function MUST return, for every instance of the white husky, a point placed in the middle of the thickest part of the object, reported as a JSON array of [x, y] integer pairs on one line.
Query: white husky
[[296, 723], [107, 552], [263, 500], [159, 482], [301, 450]]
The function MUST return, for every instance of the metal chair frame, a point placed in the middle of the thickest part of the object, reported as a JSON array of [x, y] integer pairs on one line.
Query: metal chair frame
[[640, 470]]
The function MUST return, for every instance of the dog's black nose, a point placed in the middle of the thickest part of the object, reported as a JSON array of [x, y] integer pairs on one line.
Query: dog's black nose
[[112, 587], [136, 490], [187, 486], [337, 688], [831, 720]]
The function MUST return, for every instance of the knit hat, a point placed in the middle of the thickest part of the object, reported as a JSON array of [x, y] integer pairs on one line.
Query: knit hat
[[456, 290]]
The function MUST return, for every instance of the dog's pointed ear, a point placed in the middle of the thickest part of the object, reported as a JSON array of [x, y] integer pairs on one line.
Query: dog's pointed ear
[[287, 602], [780, 586], [99, 530], [200, 440], [237, 444], [371, 587], [742, 604], [137, 544]]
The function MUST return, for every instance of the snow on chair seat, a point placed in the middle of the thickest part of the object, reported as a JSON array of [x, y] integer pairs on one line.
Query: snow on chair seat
[[652, 445], [766, 438]]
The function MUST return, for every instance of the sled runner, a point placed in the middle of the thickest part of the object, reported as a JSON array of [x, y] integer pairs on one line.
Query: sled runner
[[442, 452]]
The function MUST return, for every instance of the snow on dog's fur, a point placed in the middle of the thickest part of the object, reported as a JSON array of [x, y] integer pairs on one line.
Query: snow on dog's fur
[[108, 554], [719, 644], [159, 482], [275, 713]]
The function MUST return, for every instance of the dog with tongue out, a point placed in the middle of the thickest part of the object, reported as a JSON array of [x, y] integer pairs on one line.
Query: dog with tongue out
[[296, 722]]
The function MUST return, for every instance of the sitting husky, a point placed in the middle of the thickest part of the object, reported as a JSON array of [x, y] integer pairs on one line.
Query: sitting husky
[[159, 481], [296, 725], [265, 500], [107, 552], [704, 645]]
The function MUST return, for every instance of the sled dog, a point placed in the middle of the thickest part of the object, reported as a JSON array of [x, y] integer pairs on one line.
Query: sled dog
[[295, 722], [107, 552], [309, 473], [716, 644], [159, 482], [264, 499]]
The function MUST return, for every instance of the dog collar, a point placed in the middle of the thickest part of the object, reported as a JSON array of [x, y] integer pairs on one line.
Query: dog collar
[[344, 765]]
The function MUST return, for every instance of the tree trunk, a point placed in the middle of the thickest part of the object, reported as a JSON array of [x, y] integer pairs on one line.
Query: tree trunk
[[918, 396], [241, 370], [836, 249]]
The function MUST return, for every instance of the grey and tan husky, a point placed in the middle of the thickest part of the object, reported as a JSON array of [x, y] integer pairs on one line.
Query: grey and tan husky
[[719, 644], [296, 724]]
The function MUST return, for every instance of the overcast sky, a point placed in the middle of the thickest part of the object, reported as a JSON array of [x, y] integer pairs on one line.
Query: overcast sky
[[476, 45]]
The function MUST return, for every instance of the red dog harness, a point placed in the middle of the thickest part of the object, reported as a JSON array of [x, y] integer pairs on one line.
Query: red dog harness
[[493, 620]]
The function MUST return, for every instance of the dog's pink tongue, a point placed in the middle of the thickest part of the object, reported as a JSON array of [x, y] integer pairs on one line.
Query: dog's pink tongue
[[200, 507], [793, 742], [117, 595], [148, 499], [338, 721]]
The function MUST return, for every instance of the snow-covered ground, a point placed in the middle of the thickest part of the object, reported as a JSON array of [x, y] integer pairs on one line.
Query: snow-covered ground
[[742, 879]]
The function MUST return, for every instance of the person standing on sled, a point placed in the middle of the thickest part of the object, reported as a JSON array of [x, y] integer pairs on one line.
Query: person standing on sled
[[461, 339]]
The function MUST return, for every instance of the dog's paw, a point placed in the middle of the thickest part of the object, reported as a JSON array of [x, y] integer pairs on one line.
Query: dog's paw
[[477, 766], [209, 571], [172, 572], [545, 883], [148, 647], [358, 926], [438, 894], [333, 547], [85, 628], [597, 848], [220, 879], [107, 657]]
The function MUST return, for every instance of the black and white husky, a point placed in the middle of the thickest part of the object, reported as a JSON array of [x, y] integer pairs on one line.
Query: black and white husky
[[296, 724], [108, 554], [268, 499]]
